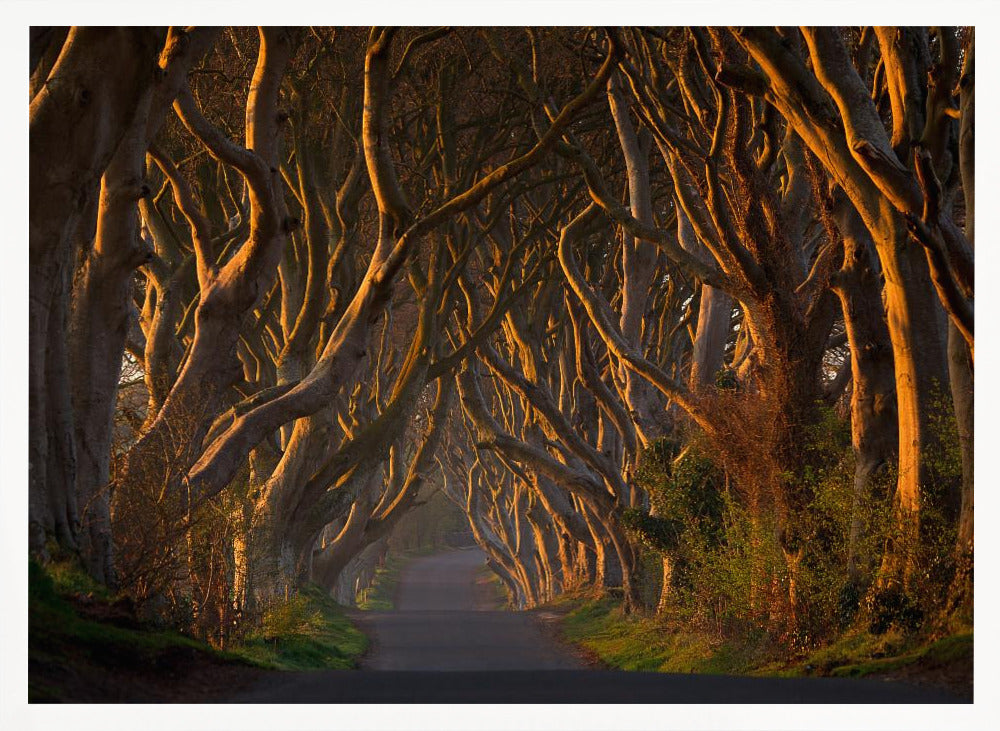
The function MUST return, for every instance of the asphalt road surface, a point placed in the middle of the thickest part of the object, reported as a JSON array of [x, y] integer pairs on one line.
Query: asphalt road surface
[[448, 642], [444, 620]]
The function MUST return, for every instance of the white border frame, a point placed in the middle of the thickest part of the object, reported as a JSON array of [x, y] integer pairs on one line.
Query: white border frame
[[15, 713]]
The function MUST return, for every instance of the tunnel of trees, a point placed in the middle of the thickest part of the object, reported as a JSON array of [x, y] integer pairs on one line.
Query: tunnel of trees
[[683, 315]]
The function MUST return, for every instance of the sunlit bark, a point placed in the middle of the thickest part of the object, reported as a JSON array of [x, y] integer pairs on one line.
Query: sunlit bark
[[77, 120]]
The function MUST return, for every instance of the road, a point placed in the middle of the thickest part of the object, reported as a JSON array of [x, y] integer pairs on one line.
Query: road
[[448, 642], [445, 621]]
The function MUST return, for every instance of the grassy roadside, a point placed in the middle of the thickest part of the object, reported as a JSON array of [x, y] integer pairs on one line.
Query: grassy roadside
[[83, 645], [306, 632], [649, 644], [491, 589], [379, 597]]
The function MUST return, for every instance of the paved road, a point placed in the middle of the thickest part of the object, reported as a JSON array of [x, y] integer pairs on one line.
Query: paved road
[[444, 620], [448, 642]]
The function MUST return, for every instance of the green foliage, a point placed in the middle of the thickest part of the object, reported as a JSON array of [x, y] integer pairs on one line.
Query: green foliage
[[684, 495], [934, 554], [659, 534], [734, 571], [68, 577], [295, 616], [306, 631], [59, 635], [827, 437], [889, 607], [310, 631], [830, 598], [944, 457], [378, 597], [701, 528], [726, 585], [737, 574], [631, 642], [663, 644]]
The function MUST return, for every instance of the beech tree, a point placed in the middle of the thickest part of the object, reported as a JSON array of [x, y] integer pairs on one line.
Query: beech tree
[[698, 299]]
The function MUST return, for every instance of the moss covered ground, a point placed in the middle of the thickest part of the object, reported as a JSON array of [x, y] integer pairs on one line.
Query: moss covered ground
[[649, 643], [85, 645]]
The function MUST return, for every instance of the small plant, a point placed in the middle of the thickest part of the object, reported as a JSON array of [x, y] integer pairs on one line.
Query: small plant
[[294, 616], [69, 577], [306, 631]]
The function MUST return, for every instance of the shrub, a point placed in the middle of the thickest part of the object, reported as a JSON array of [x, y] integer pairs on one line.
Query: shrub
[[735, 571], [891, 607], [294, 616]]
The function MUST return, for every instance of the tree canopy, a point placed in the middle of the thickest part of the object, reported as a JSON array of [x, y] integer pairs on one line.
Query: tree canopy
[[681, 314]]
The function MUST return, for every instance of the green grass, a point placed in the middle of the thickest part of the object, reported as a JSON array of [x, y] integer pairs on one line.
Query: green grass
[[857, 654], [379, 596], [642, 643], [69, 579], [957, 648], [308, 631], [630, 642], [53, 621], [59, 635]]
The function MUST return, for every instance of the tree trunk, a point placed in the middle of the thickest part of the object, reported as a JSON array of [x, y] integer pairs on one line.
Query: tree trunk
[[638, 268], [873, 397], [920, 377], [102, 299], [849, 140], [333, 558], [959, 357], [715, 312], [77, 120]]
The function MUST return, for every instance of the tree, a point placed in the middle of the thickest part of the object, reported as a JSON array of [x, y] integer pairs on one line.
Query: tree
[[527, 266]]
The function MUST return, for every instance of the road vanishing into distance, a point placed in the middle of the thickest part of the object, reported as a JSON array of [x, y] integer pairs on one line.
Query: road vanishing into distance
[[449, 641], [444, 620]]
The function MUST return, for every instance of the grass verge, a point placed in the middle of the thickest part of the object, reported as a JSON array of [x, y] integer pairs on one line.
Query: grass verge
[[868, 659], [380, 595], [83, 645], [630, 642], [308, 631]]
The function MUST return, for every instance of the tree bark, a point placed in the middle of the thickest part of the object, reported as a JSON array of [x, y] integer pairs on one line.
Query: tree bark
[[77, 120], [837, 135], [638, 268], [715, 310], [873, 398], [102, 299], [959, 356]]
